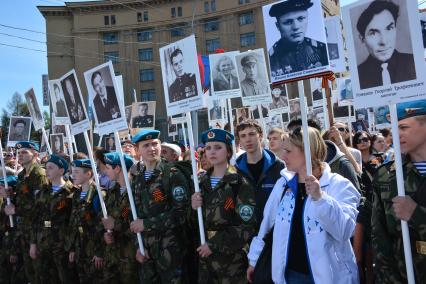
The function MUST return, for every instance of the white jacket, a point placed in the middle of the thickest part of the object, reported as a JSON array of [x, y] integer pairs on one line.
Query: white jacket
[[328, 225]]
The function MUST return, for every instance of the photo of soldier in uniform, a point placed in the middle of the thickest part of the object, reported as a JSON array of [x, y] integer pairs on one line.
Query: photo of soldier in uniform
[[143, 115], [381, 53], [73, 99], [380, 115], [240, 115], [316, 91], [279, 99], [215, 110], [19, 130], [345, 92], [181, 76], [253, 77], [34, 109], [57, 101], [110, 143], [295, 39], [57, 143], [223, 68], [362, 114], [295, 112]]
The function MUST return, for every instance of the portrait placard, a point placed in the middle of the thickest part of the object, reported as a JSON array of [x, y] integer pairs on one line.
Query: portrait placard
[[19, 130], [279, 99], [58, 102], [344, 91], [316, 91], [143, 116], [57, 143], [34, 109], [223, 69], [336, 55]]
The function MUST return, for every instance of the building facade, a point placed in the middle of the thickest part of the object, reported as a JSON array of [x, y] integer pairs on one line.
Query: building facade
[[82, 35]]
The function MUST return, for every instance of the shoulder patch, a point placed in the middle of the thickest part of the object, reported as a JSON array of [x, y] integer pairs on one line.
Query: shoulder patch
[[314, 43], [178, 193], [246, 212]]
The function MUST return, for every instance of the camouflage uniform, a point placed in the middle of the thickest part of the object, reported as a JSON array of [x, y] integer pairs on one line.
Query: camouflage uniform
[[164, 213], [387, 235], [230, 223], [120, 262], [53, 212], [27, 191], [85, 237]]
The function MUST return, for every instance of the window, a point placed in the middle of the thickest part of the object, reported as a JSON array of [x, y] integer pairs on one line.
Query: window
[[146, 75], [111, 56], [145, 16], [247, 39], [106, 20], [148, 95], [212, 45], [211, 25], [213, 5], [206, 7], [179, 11], [173, 12], [110, 38], [112, 20], [145, 54], [145, 35], [246, 18], [177, 31], [139, 16]]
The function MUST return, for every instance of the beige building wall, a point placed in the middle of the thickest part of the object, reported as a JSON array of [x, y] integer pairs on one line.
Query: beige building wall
[[82, 26]]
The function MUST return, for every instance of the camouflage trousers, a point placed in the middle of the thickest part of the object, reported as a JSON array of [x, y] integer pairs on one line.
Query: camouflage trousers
[[86, 270], [30, 266], [120, 268], [223, 268], [11, 273], [166, 254]]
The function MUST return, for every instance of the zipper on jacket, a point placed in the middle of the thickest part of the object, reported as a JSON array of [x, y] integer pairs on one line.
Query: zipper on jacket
[[306, 242]]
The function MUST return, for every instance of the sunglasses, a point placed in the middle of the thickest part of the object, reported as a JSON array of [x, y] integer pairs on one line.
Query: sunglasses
[[363, 139], [343, 129]]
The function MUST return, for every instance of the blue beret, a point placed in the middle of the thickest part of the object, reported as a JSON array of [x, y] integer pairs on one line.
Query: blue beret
[[11, 180], [411, 109], [59, 161], [284, 7], [82, 163], [218, 135], [27, 145], [145, 134], [113, 159]]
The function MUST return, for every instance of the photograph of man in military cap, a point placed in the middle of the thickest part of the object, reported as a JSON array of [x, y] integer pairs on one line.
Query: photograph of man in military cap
[[19, 129], [279, 99], [142, 115], [379, 52], [290, 44]]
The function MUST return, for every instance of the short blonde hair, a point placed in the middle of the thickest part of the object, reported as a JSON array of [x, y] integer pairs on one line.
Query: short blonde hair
[[279, 131], [317, 145]]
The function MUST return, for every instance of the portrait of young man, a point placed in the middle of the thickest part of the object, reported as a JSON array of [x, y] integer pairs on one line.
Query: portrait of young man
[[185, 85], [59, 105], [19, 129], [143, 119], [105, 100], [294, 51], [378, 27], [254, 83]]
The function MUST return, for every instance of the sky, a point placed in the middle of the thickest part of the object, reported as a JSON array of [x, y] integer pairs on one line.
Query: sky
[[22, 69]]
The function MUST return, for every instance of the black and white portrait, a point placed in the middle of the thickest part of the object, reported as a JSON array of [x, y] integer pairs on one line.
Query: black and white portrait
[[259, 109], [241, 114], [57, 143], [380, 116], [316, 91], [43, 144], [279, 99], [385, 49], [34, 109], [253, 77], [73, 99], [104, 94], [333, 33], [215, 109], [423, 26], [58, 101], [171, 127], [295, 39], [346, 95], [360, 125], [59, 129], [128, 111], [223, 68], [295, 112], [109, 143], [143, 115], [19, 130], [362, 114], [181, 76]]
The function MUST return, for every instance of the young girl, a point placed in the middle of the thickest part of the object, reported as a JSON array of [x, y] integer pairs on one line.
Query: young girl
[[228, 209]]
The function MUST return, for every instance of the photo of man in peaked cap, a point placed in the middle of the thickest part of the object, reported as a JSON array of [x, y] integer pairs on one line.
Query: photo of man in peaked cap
[[378, 27], [294, 51], [253, 84]]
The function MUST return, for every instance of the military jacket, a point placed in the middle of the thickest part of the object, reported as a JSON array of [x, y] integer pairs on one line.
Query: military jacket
[[289, 57], [183, 88], [8, 242], [161, 208], [53, 212], [386, 228], [85, 237], [143, 121], [228, 211]]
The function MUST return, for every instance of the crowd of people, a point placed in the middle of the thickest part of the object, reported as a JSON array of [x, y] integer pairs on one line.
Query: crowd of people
[[265, 219]]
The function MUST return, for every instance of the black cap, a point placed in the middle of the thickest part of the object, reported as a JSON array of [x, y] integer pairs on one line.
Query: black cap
[[284, 7]]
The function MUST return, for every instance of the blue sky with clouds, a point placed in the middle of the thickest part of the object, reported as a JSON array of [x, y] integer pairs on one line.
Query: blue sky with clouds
[[22, 69]]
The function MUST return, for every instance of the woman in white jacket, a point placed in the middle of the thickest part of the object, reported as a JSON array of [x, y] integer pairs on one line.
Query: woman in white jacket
[[313, 218]]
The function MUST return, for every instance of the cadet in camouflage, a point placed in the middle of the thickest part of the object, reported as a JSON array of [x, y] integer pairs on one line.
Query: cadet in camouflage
[[228, 202], [52, 214], [120, 263], [389, 209], [162, 213], [30, 182], [84, 242], [294, 52]]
